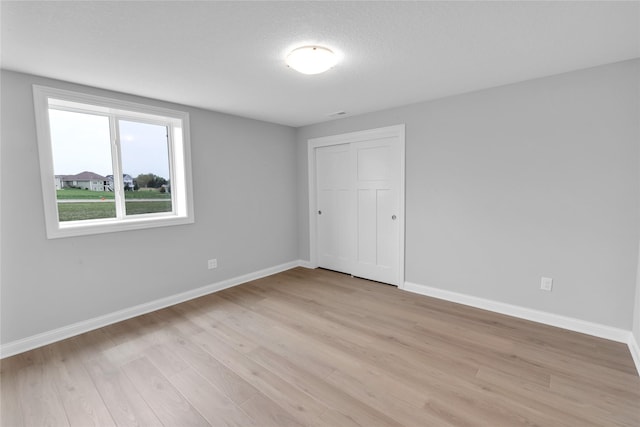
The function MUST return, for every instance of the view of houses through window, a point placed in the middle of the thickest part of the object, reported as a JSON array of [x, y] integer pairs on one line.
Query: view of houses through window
[[84, 160]]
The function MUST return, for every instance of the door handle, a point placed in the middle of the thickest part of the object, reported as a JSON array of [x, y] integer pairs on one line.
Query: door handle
[[393, 217]]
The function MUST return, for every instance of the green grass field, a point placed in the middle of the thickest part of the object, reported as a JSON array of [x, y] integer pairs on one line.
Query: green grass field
[[137, 208], [91, 210], [74, 193]]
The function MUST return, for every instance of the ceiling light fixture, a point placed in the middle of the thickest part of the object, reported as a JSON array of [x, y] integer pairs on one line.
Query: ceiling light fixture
[[311, 59]]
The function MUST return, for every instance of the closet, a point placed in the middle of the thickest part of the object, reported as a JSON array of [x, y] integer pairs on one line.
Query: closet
[[357, 203]]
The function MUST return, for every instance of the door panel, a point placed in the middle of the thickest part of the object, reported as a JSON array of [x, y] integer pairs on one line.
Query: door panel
[[387, 230], [367, 224], [334, 208], [377, 185], [373, 163]]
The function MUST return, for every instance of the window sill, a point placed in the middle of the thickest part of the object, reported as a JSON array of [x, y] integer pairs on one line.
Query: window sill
[[90, 227]]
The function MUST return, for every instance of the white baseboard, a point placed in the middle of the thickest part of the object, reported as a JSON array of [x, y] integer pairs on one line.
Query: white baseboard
[[634, 348], [35, 341], [306, 264], [572, 324]]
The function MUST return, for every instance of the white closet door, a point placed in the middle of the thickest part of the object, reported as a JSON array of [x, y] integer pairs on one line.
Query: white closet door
[[335, 207], [358, 202], [377, 167]]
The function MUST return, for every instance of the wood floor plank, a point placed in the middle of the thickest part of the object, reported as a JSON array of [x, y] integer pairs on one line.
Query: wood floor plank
[[209, 321], [38, 394], [319, 348], [126, 404], [295, 372], [597, 396], [570, 411], [209, 400], [389, 397], [279, 339], [22, 360], [232, 385], [166, 402], [266, 413], [299, 404], [10, 406], [82, 402], [165, 359]]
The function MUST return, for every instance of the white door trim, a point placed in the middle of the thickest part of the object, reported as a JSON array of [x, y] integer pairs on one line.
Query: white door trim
[[345, 138]]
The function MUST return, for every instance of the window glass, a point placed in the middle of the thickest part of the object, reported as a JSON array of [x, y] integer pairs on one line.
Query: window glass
[[145, 159], [81, 148]]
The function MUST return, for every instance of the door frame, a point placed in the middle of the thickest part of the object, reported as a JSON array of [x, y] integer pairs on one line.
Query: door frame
[[396, 131]]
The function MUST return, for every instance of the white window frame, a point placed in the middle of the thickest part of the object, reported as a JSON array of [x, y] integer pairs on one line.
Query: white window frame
[[179, 160]]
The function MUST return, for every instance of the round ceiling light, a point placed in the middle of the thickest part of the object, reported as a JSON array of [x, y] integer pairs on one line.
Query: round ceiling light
[[311, 59]]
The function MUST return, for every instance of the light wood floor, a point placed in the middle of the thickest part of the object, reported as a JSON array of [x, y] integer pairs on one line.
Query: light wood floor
[[318, 348]]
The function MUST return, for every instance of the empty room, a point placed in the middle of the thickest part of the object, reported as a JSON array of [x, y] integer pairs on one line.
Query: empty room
[[449, 235]]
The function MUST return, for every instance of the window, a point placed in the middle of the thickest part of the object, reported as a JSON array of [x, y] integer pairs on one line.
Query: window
[[109, 165]]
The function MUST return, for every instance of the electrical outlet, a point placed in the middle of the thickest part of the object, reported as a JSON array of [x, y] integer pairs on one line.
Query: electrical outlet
[[212, 263], [546, 283]]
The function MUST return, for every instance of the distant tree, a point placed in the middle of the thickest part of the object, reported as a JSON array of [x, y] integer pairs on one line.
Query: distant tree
[[150, 180], [143, 179], [159, 181]]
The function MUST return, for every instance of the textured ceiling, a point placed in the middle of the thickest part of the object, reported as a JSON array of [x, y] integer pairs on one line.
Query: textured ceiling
[[229, 56]]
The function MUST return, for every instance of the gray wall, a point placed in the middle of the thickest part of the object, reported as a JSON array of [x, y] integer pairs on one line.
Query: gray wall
[[244, 174], [636, 315], [509, 184]]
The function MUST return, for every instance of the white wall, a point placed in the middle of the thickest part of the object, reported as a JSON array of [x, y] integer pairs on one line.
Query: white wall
[[509, 184], [244, 174]]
